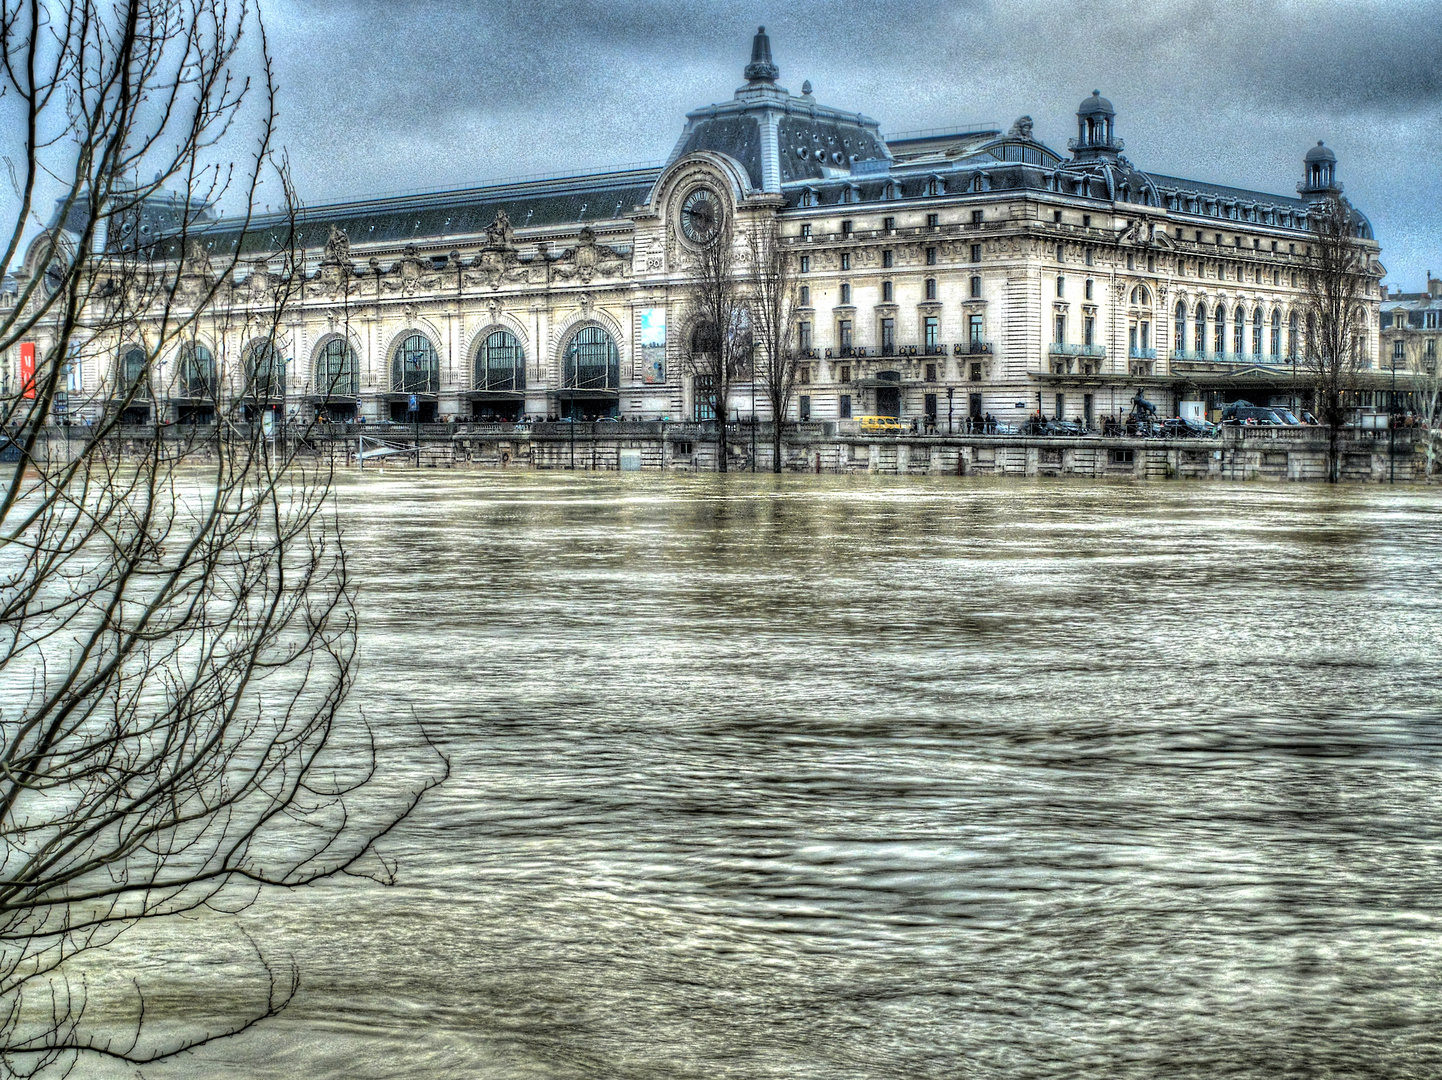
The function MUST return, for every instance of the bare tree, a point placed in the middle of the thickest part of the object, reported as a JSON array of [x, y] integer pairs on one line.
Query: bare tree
[[177, 629], [1426, 381], [718, 348], [771, 275], [1336, 282]]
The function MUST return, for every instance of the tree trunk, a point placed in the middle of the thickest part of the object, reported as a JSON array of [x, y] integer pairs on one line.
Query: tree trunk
[[776, 444]]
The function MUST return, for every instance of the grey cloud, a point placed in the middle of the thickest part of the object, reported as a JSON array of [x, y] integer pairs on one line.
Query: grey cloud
[[408, 94]]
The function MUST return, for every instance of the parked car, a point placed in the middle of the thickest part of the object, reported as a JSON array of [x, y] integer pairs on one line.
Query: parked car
[[1254, 416], [1181, 427], [880, 425]]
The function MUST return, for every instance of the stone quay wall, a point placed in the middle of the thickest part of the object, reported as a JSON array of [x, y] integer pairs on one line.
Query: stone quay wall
[[1281, 454], [1238, 454]]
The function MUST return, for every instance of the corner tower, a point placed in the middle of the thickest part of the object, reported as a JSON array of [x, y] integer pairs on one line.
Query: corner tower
[[1319, 172], [1095, 130]]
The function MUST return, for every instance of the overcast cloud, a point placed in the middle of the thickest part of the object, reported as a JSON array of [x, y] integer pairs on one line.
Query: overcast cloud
[[426, 94]]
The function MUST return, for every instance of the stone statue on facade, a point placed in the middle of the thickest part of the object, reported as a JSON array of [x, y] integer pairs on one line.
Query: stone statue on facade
[[337, 248], [1022, 128]]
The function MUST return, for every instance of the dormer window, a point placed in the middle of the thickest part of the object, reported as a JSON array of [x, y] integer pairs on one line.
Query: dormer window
[[808, 198], [933, 186], [888, 191], [848, 194]]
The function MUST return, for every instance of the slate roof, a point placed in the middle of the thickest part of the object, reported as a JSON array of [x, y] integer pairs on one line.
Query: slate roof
[[441, 218]]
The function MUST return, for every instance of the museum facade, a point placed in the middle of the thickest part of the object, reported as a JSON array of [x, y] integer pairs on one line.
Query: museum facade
[[941, 276]]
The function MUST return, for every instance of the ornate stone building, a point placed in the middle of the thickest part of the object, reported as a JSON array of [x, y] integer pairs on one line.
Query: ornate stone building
[[942, 276]]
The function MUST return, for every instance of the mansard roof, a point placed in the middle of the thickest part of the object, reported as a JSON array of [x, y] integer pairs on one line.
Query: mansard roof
[[446, 216]]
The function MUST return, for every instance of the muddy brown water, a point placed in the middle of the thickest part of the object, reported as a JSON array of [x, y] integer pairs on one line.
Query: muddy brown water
[[819, 777]]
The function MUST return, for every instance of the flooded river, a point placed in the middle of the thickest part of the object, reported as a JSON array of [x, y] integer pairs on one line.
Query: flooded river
[[847, 777]]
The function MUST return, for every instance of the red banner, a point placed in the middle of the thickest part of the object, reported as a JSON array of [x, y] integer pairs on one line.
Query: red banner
[[27, 369]]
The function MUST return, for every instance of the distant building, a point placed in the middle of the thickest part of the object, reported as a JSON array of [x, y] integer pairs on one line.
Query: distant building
[[1412, 328], [943, 275]]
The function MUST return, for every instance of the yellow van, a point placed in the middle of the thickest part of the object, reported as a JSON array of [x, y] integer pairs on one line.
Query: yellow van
[[880, 425]]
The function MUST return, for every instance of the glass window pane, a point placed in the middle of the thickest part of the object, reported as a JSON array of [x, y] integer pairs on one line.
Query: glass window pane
[[592, 362], [415, 368], [336, 371]]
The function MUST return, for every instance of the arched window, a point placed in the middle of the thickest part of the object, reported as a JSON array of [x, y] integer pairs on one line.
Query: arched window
[[1179, 333], [1199, 342], [415, 368], [1276, 349], [336, 372], [933, 186], [1219, 339], [808, 198], [592, 362], [134, 371], [1141, 296], [1239, 330], [196, 371], [1292, 335], [264, 371], [1257, 332], [888, 191], [500, 363]]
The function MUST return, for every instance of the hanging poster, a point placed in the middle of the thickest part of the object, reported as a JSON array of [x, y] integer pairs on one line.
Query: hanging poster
[[27, 369], [651, 345]]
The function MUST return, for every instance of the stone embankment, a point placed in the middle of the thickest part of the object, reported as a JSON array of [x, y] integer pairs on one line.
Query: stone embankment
[[1237, 454]]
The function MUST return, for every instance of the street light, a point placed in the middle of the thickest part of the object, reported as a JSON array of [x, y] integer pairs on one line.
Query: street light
[[950, 390]]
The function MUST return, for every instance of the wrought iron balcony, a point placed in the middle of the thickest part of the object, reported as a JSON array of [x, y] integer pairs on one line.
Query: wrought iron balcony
[[1066, 348], [971, 348]]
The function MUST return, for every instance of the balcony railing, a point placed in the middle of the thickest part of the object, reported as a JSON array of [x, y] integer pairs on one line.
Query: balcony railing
[[1142, 354], [1232, 359], [1065, 348], [971, 348]]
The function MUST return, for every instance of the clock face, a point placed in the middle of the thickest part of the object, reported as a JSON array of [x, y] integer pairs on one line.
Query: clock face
[[701, 216]]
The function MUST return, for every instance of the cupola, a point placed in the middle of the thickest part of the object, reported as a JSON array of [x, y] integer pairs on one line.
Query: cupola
[[1095, 129], [1319, 172]]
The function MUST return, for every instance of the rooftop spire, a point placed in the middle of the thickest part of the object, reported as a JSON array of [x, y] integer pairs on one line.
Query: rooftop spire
[[761, 68]]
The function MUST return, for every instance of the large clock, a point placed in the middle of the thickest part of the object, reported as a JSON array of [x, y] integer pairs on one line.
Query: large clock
[[701, 215]]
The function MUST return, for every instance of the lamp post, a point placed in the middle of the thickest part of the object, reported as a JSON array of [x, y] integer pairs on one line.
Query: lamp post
[[950, 390], [1392, 427], [753, 414]]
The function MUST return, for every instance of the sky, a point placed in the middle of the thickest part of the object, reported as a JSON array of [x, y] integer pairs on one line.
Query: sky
[[390, 95]]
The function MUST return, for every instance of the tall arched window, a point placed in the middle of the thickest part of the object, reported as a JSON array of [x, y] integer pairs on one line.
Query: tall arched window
[[1179, 335], [196, 371], [134, 372], [1219, 338], [415, 368], [1200, 342], [264, 371], [1276, 349], [1257, 332], [500, 363], [1239, 330], [592, 362], [1292, 335], [336, 371]]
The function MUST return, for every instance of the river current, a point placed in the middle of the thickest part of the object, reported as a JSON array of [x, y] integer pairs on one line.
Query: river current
[[854, 777]]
